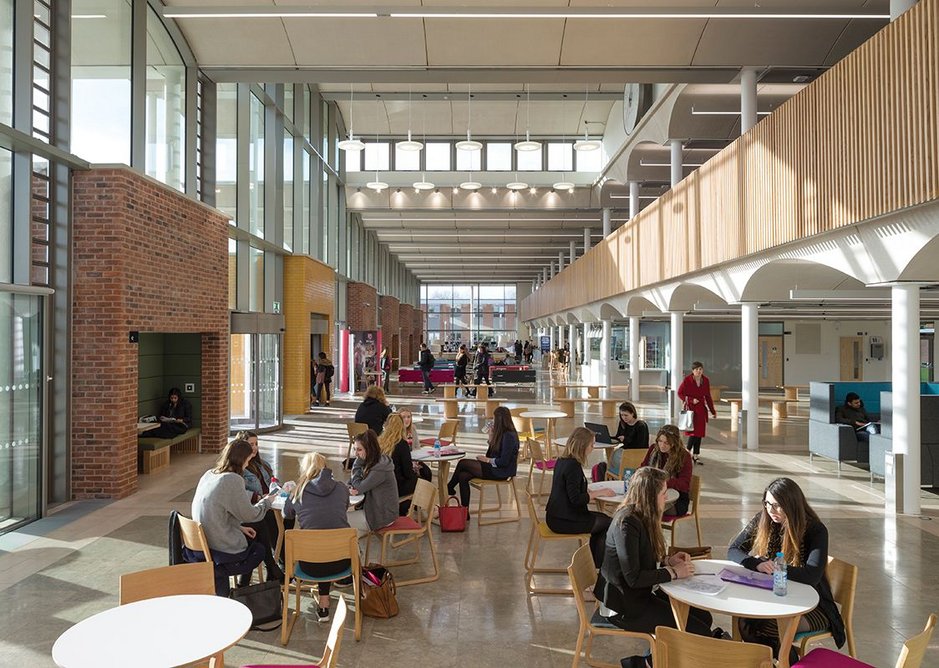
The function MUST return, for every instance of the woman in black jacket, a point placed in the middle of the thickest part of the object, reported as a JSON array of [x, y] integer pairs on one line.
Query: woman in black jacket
[[374, 410], [631, 433], [567, 510], [395, 446], [499, 463], [459, 369], [787, 524], [635, 561]]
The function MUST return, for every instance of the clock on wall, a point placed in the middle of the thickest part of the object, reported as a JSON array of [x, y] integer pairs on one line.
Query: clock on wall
[[637, 98]]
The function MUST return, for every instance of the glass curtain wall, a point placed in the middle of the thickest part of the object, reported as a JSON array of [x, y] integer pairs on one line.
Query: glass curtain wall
[[226, 149], [256, 168], [166, 106], [6, 62], [6, 216], [470, 313]]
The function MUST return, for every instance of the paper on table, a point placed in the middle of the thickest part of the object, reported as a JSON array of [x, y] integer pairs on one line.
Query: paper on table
[[702, 584], [747, 577]]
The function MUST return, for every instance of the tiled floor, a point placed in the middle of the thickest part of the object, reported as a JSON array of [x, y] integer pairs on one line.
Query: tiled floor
[[64, 568]]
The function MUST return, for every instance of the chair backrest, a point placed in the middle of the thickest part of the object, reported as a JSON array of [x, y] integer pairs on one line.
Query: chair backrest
[[423, 501], [532, 513], [842, 577], [356, 428], [193, 536], [583, 575], [911, 656], [320, 546], [628, 459], [534, 449], [679, 649], [694, 494], [331, 653], [448, 430], [197, 578], [519, 424]]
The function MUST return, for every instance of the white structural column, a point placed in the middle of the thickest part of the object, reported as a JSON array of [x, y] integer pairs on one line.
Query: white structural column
[[551, 271], [747, 99], [572, 358], [676, 367], [677, 173], [606, 340], [553, 338], [607, 222], [572, 254], [634, 358], [633, 199], [905, 417], [586, 240], [898, 7], [544, 275], [749, 370], [585, 346], [560, 261]]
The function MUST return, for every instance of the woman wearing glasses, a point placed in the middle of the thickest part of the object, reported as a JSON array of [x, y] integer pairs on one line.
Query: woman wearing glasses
[[787, 524]]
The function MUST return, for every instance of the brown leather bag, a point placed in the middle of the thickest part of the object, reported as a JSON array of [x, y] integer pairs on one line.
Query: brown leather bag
[[378, 592], [703, 552]]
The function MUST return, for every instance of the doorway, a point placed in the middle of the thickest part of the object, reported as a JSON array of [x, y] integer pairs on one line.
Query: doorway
[[926, 356], [770, 361], [851, 352]]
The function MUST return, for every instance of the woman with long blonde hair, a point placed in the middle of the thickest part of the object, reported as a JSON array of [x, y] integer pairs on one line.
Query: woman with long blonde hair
[[410, 435], [786, 523], [568, 504], [319, 502], [668, 453], [635, 561], [395, 447]]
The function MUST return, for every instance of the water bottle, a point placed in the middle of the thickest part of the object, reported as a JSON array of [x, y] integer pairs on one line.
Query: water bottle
[[436, 447], [779, 575]]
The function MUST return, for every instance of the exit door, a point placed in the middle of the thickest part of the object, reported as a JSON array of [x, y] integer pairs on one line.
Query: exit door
[[770, 361]]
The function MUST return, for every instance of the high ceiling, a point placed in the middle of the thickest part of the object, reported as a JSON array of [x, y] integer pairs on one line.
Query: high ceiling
[[418, 72]]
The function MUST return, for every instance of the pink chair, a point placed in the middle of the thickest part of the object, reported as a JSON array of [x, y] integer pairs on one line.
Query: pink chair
[[822, 657]]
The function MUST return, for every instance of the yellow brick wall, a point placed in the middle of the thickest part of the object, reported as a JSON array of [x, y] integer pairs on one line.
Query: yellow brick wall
[[309, 287]]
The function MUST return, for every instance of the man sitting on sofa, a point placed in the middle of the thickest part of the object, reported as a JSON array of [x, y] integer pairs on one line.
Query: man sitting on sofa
[[852, 413]]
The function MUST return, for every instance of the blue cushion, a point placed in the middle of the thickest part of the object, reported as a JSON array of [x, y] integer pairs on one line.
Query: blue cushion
[[300, 574]]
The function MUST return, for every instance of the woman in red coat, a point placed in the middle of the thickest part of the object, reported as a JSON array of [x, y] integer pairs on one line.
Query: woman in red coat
[[695, 395]]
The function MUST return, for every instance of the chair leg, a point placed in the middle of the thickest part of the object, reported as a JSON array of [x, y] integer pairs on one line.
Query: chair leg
[[697, 524], [529, 561], [578, 648]]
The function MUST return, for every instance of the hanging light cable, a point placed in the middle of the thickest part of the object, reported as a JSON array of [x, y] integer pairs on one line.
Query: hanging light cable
[[409, 144], [564, 184], [377, 185], [351, 144], [528, 144], [469, 144], [586, 144], [423, 184]]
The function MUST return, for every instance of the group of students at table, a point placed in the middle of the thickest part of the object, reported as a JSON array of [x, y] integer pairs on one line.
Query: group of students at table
[[629, 548]]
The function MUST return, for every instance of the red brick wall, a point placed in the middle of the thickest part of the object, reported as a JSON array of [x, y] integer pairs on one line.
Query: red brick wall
[[145, 258], [390, 329], [406, 322], [361, 307]]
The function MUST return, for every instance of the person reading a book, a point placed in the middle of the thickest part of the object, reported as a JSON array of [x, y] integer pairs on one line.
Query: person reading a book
[[786, 523], [175, 416], [852, 413], [635, 561]]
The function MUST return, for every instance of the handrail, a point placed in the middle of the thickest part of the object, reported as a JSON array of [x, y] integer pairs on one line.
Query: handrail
[[860, 142]]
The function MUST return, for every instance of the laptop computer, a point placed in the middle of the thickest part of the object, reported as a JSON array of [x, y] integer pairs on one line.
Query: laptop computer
[[600, 431]]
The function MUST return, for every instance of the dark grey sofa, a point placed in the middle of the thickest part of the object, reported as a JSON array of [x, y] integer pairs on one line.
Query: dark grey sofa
[[929, 438]]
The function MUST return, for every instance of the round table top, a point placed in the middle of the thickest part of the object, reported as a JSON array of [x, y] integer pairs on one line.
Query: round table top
[[562, 441], [157, 632], [740, 600], [281, 500], [545, 414], [427, 455], [671, 495]]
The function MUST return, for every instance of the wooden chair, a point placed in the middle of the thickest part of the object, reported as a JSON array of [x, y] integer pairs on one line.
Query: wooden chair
[[680, 649], [197, 578], [583, 576], [914, 649], [541, 532], [629, 459], [539, 463], [319, 546], [194, 537], [448, 431], [331, 651], [481, 484], [911, 656], [842, 577], [415, 525], [354, 429], [669, 522]]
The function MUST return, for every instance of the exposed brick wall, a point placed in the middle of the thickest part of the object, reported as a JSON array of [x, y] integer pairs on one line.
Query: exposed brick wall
[[145, 258], [309, 287], [361, 307], [390, 329], [409, 342]]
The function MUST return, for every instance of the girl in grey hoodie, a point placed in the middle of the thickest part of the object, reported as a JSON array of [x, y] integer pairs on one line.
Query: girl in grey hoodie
[[373, 474], [319, 502]]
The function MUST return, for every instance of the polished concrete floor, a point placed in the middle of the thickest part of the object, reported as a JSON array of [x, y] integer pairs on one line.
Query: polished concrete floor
[[57, 571]]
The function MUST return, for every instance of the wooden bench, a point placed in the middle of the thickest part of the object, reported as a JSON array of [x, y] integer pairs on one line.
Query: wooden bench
[[449, 390], [607, 406], [153, 454], [791, 392], [560, 391], [716, 392], [451, 406], [780, 408]]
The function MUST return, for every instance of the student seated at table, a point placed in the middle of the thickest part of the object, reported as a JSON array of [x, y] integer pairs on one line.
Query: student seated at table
[[635, 561], [319, 502], [221, 505], [567, 510], [668, 454], [373, 475], [499, 463], [631, 433], [374, 409], [786, 523], [175, 416], [395, 447], [414, 441], [258, 475]]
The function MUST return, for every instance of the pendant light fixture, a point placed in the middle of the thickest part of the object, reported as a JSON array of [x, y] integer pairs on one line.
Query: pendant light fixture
[[377, 185], [564, 184], [471, 184], [469, 144], [423, 184], [586, 144], [528, 144], [351, 144], [409, 145], [516, 185]]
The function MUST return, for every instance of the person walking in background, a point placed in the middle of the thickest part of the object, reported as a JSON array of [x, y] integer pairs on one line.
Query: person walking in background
[[425, 361], [459, 369], [695, 394], [481, 367], [518, 351], [385, 365], [324, 378]]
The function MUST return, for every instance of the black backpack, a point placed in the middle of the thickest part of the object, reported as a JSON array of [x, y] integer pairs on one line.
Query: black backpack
[[329, 371]]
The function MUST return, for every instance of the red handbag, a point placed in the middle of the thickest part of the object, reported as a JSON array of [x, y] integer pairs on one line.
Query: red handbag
[[452, 518]]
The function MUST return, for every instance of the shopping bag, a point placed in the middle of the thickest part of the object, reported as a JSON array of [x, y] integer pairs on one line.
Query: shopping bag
[[452, 518], [264, 600], [686, 420]]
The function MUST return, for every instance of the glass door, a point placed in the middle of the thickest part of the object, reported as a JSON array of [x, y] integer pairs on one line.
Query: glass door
[[243, 403], [268, 380], [255, 398], [21, 354]]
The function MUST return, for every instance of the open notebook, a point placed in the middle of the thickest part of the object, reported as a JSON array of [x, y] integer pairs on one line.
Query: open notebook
[[747, 577]]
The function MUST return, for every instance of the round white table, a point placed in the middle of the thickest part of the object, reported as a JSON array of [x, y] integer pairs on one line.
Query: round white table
[[562, 443], [443, 467], [739, 600], [619, 489], [157, 632], [281, 500], [549, 416]]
